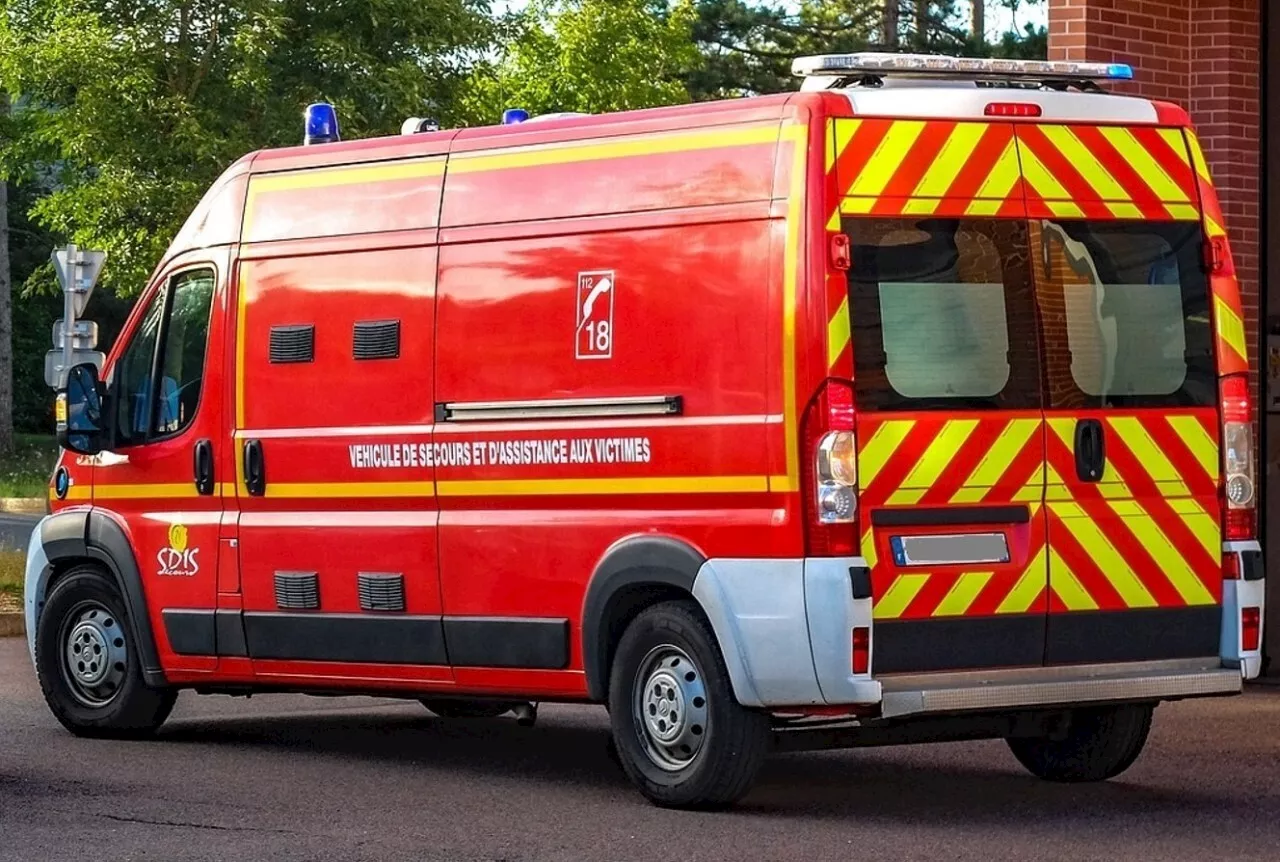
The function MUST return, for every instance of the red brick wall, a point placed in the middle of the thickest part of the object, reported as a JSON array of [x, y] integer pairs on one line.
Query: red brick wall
[[1205, 56]]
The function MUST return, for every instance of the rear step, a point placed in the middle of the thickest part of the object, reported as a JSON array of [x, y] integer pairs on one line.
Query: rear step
[[919, 694]]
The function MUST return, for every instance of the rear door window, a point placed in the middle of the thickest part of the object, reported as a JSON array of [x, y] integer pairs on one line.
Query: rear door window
[[1126, 317], [943, 314]]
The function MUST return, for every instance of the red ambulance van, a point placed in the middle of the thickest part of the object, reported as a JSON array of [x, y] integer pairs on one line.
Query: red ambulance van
[[911, 406]]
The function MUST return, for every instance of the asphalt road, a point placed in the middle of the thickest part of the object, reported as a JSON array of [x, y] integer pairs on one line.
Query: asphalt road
[[15, 530], [284, 778]]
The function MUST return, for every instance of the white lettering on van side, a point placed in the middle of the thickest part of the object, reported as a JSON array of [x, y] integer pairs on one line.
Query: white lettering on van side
[[501, 453]]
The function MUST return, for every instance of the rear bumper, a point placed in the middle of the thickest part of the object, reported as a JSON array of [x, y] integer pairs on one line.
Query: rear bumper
[[1056, 686], [785, 629]]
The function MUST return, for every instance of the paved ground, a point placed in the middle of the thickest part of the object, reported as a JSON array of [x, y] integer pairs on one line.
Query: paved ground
[[286, 778], [15, 530]]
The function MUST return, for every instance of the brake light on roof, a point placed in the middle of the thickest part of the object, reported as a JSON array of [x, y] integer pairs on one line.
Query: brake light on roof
[[879, 63], [1240, 503], [1013, 109]]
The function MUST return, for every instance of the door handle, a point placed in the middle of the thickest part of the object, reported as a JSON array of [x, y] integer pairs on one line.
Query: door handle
[[255, 477], [1091, 454], [203, 466]]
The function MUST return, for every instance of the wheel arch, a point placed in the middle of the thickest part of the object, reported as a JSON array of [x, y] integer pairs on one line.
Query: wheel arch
[[634, 574], [89, 536]]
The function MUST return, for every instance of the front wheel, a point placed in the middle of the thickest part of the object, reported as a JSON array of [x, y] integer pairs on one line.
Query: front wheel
[[681, 736], [1100, 743], [87, 661]]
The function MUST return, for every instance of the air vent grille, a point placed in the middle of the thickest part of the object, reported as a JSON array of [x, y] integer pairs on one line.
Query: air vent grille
[[293, 343], [297, 591], [381, 592], [376, 339]]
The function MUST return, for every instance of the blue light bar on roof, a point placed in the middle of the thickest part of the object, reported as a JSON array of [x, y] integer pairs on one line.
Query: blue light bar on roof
[[973, 68]]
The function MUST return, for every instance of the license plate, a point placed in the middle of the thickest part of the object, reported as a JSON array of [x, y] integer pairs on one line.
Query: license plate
[[962, 548]]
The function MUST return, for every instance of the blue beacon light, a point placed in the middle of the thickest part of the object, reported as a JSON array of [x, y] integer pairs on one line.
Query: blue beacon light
[[321, 124], [1120, 71], [511, 116]]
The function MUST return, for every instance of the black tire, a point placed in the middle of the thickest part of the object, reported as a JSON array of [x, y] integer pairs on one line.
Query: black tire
[[734, 741], [123, 706], [450, 708], [1100, 743]]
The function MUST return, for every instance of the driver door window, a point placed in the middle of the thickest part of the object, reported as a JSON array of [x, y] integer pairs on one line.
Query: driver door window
[[160, 373]]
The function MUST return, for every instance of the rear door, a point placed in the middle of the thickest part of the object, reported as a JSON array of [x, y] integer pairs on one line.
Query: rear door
[[1132, 442], [947, 382]]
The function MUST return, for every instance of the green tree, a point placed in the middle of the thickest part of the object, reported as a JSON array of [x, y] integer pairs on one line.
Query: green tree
[[130, 108], [589, 56]]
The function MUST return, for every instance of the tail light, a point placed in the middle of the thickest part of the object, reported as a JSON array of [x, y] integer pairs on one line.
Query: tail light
[[1250, 629], [1240, 504], [861, 658], [1013, 109], [830, 473]]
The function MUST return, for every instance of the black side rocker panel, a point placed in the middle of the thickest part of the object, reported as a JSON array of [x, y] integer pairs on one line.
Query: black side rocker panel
[[92, 535], [638, 561]]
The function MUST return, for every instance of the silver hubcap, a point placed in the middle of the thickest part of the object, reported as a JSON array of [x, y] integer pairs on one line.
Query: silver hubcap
[[94, 654], [670, 707]]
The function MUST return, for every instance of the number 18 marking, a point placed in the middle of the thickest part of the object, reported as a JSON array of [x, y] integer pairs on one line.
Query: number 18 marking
[[595, 315]]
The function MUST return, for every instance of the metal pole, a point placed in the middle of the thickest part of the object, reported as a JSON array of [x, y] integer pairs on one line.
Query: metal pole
[[69, 309]]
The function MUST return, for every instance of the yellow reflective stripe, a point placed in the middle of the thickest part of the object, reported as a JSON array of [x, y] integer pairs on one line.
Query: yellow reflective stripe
[[841, 135], [869, 549], [877, 451], [857, 206], [1067, 587], [139, 491], [1197, 157], [838, 332], [951, 159], [899, 596], [1000, 182], [1107, 558], [997, 460], [1230, 326], [1034, 172], [984, 207], [1212, 228], [1143, 163], [1182, 212], [887, 158], [1126, 211], [596, 150], [1168, 559], [1028, 587], [603, 486], [938, 456], [344, 176], [1064, 209], [1199, 441], [1066, 431], [1176, 143], [1148, 455], [921, 206], [1085, 162], [1033, 491], [1207, 529], [906, 496], [1112, 487], [314, 490], [962, 594]]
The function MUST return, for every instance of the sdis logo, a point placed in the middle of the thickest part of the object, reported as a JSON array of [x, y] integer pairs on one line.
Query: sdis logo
[[178, 560]]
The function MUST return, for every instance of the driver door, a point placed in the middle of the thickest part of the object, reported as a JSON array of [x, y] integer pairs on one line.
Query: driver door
[[164, 415]]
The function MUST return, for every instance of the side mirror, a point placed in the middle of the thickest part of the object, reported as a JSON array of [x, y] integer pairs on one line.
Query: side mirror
[[79, 412]]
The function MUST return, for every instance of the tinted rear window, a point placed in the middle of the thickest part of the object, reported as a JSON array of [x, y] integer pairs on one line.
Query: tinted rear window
[[940, 312]]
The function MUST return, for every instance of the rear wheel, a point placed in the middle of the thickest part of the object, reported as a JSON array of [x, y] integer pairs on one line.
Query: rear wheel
[[87, 661], [459, 708], [680, 735], [1100, 743]]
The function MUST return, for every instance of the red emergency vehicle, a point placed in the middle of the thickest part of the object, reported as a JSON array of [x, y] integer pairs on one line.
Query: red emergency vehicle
[[911, 406]]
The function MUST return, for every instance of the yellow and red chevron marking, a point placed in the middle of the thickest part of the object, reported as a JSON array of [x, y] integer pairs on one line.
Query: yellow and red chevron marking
[[963, 458], [909, 593], [1107, 172], [1145, 536], [918, 167], [1228, 311]]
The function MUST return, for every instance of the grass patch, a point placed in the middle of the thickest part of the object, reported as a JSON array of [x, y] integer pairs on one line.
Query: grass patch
[[25, 471], [13, 568]]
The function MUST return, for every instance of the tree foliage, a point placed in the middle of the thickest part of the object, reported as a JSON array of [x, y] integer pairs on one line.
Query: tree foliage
[[128, 109], [589, 56]]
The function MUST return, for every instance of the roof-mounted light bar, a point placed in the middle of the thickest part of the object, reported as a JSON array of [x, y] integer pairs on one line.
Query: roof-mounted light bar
[[930, 65]]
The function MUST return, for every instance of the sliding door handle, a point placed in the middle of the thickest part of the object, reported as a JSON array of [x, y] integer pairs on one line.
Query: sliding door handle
[[255, 474], [203, 467]]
